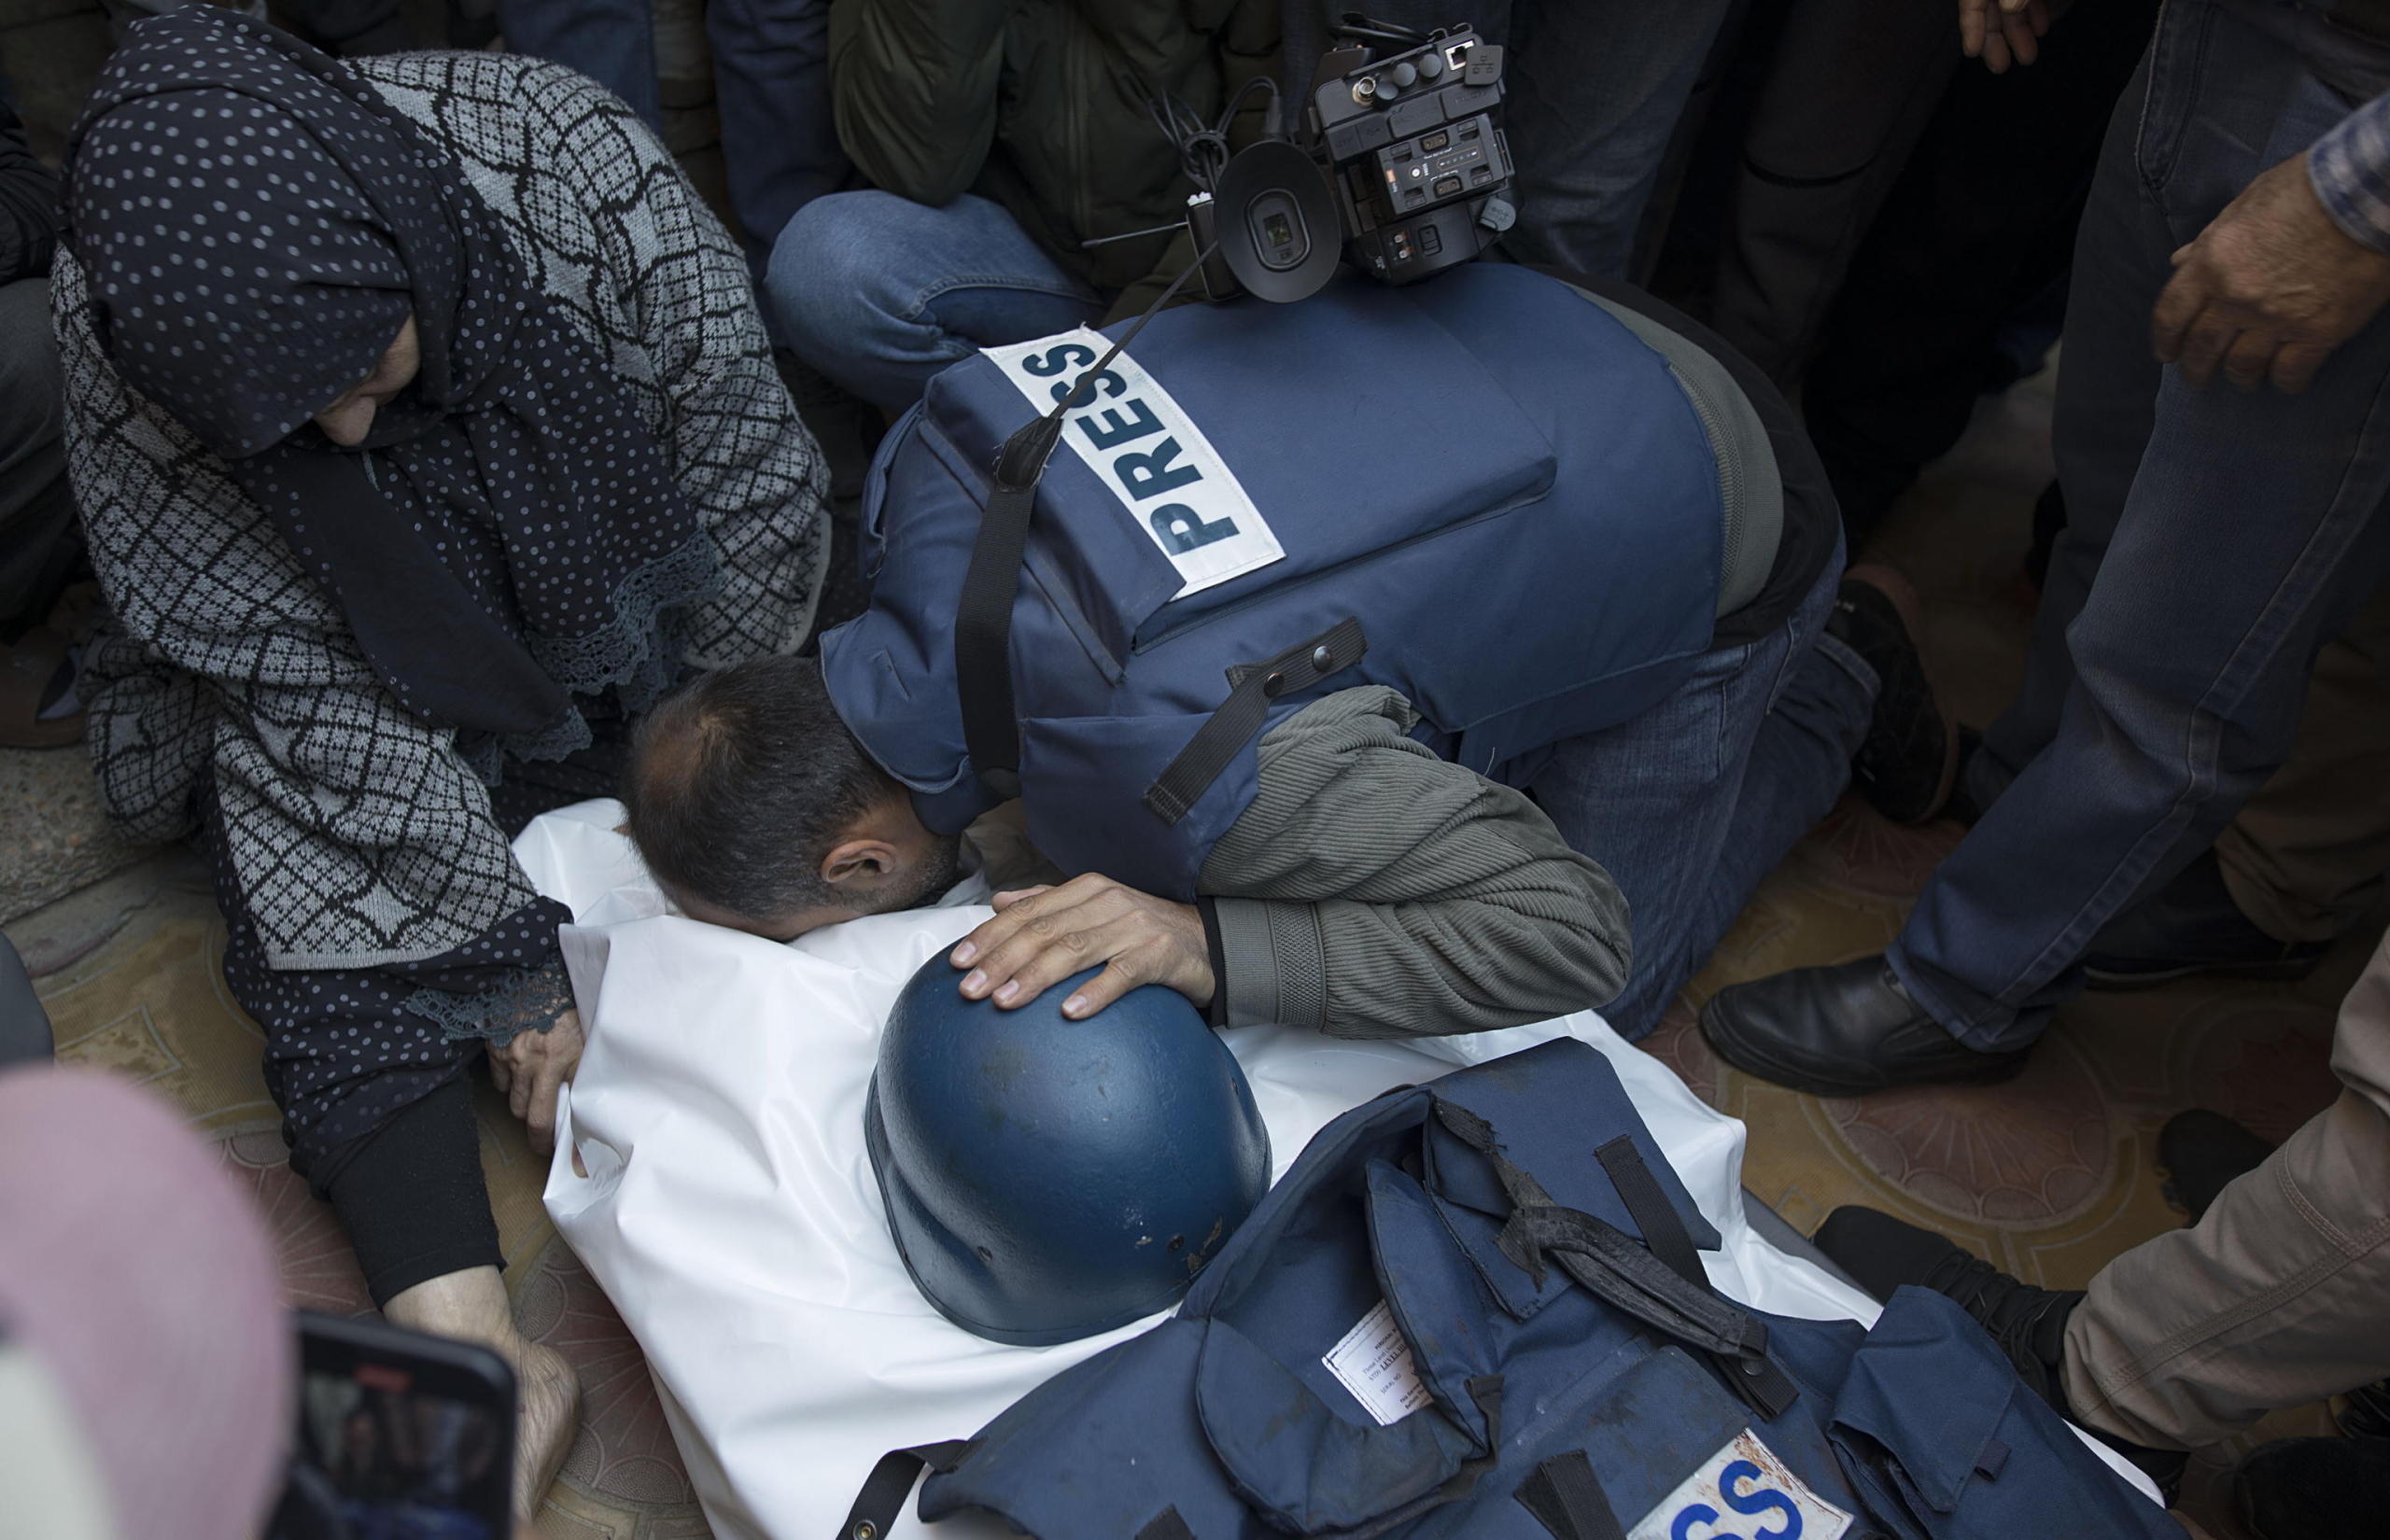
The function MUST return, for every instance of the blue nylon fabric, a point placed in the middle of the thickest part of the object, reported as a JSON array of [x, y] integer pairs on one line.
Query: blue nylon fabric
[[1506, 487], [1227, 1414]]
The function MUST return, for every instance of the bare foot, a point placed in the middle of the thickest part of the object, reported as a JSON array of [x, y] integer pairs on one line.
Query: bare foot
[[549, 1415], [471, 1306]]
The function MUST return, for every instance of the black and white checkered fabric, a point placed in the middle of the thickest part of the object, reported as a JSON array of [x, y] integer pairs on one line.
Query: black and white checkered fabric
[[359, 835]]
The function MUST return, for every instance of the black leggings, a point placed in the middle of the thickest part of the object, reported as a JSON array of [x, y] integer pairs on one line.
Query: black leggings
[[412, 1196]]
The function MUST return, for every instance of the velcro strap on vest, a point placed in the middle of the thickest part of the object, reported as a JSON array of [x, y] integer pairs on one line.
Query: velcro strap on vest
[[1252, 688], [891, 1482], [1567, 1498], [1663, 1227]]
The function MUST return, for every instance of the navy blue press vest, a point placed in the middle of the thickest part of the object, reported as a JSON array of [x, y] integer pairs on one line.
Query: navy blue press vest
[[1484, 492]]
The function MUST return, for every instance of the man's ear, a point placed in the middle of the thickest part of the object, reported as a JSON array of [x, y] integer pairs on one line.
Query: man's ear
[[863, 861]]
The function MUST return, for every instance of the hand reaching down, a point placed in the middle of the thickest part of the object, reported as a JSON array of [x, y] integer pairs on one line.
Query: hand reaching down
[[1041, 936], [1999, 31], [532, 1069]]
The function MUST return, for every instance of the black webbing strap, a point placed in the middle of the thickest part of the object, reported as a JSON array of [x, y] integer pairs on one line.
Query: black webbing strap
[[891, 1482], [1567, 1498], [1663, 1227], [1622, 1271], [1251, 689], [1166, 1525], [983, 613]]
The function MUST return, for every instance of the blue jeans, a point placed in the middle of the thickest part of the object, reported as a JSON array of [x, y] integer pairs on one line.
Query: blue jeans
[[610, 41], [771, 85], [880, 293], [1691, 803], [2214, 540]]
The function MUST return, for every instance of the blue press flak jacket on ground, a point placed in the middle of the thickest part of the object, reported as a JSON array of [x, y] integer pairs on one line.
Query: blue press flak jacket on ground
[[1445, 1321], [1499, 492]]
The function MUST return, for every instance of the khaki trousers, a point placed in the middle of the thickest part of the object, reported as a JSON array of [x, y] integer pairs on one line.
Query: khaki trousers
[[2280, 1295], [2306, 856]]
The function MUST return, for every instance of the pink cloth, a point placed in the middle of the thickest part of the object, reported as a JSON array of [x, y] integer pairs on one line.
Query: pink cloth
[[144, 1282]]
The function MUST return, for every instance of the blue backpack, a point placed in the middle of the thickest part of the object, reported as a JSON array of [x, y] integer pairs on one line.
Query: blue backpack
[[1476, 1309], [1487, 493]]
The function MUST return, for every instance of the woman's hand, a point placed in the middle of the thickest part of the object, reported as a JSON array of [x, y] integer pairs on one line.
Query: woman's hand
[[532, 1069], [1041, 936]]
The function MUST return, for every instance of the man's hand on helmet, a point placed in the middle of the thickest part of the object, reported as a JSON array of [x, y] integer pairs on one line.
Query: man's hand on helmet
[[1041, 936]]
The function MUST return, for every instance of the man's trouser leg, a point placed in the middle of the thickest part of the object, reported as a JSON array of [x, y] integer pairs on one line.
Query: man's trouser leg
[[1689, 806], [2215, 539], [1596, 89], [771, 82], [2279, 1297], [610, 41], [1851, 88], [2307, 856]]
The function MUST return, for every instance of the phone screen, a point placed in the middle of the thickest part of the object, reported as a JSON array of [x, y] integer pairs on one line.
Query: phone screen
[[382, 1457]]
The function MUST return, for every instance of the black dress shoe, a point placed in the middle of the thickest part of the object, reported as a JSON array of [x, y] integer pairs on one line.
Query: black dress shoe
[[2202, 1152], [2028, 1323], [1843, 1031], [2193, 926], [1909, 759], [2366, 1411], [2305, 1488]]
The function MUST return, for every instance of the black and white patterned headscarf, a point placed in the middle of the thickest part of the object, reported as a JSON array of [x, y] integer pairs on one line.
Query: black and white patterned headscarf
[[257, 225]]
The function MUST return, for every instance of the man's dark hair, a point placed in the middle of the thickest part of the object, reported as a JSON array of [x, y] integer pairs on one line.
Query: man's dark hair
[[742, 781]]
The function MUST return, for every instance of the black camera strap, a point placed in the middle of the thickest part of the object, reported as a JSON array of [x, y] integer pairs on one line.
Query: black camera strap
[[983, 615]]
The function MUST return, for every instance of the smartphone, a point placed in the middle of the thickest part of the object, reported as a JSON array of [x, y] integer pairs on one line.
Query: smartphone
[[401, 1436]]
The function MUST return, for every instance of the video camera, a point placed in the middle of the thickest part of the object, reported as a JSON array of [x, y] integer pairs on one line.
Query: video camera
[[1401, 168]]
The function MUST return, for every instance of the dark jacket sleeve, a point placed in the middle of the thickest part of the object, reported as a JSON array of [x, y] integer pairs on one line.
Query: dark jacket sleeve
[[1372, 889], [29, 215], [913, 87]]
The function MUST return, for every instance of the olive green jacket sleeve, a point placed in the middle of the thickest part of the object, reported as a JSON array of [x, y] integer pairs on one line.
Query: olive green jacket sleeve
[[1372, 889], [913, 88]]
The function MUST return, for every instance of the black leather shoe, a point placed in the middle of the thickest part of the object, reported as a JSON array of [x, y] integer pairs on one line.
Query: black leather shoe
[[1843, 1031], [2202, 1152], [2027, 1322], [2303, 1489], [1909, 759], [2193, 926]]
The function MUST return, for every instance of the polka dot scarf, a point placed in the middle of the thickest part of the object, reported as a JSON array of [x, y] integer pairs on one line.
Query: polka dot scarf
[[256, 225]]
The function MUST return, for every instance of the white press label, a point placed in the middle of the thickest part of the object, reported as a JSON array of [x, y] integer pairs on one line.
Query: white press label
[[1142, 445], [1742, 1482], [1374, 1362]]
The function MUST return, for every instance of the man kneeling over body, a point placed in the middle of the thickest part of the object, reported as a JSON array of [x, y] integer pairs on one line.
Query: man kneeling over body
[[1492, 662]]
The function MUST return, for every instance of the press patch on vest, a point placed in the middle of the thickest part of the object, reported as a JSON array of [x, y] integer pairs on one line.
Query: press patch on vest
[[1149, 451], [1374, 1362], [1742, 1480]]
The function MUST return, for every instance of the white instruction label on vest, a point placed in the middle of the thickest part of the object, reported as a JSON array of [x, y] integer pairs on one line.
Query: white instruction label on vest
[[1142, 445], [1374, 1362], [1742, 1482]]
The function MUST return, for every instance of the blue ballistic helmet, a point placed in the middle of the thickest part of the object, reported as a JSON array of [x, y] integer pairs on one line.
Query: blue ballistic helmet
[[1050, 1179]]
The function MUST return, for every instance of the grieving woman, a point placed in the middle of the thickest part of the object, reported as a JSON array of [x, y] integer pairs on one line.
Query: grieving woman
[[424, 428]]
